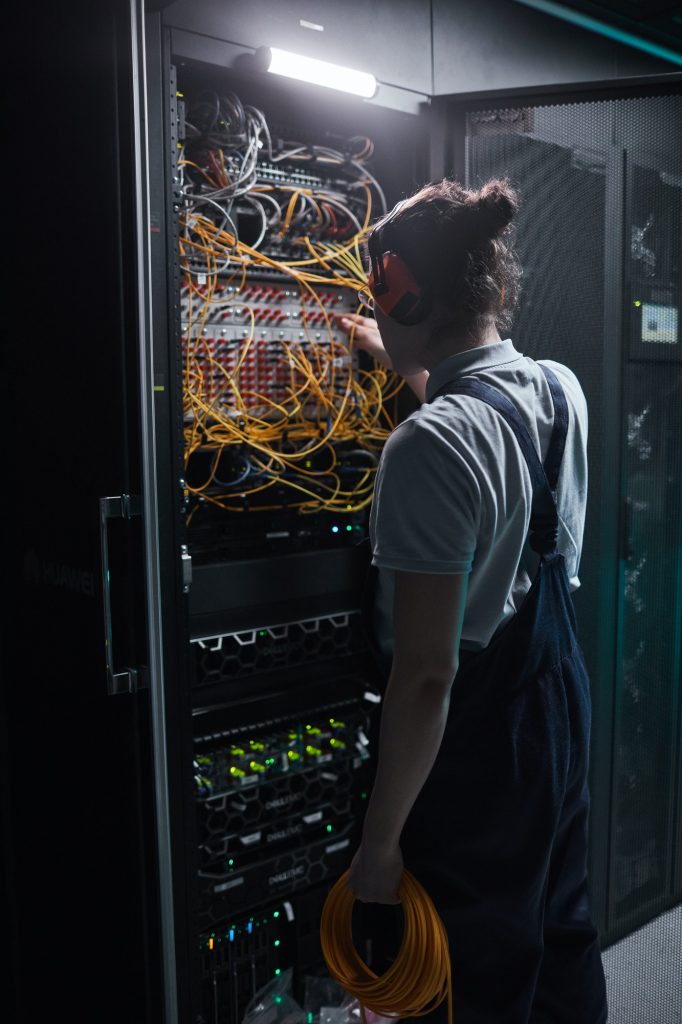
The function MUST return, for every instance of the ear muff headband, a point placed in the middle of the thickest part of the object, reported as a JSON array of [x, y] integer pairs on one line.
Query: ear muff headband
[[393, 286], [395, 289]]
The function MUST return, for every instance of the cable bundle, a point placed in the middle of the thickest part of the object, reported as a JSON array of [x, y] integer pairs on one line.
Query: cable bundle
[[418, 980], [350, 407], [308, 435]]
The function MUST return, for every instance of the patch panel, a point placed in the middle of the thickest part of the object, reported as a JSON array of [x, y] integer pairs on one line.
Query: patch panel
[[268, 172], [261, 341]]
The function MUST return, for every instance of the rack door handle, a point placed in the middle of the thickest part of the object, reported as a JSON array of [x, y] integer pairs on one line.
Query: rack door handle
[[122, 506]]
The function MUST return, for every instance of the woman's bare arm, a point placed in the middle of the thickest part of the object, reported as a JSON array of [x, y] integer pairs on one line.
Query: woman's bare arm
[[367, 337], [428, 612]]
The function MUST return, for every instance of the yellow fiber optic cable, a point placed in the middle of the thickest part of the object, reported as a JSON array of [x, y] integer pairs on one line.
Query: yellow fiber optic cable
[[312, 385], [417, 981]]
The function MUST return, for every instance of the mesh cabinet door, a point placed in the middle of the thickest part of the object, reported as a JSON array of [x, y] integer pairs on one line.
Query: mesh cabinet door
[[599, 236]]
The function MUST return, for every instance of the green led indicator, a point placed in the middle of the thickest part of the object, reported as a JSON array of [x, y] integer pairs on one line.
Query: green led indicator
[[262, 632], [276, 914], [230, 861], [277, 971], [637, 302], [329, 828], [277, 942], [349, 527]]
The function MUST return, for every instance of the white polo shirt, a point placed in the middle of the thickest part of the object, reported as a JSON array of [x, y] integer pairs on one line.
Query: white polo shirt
[[453, 491]]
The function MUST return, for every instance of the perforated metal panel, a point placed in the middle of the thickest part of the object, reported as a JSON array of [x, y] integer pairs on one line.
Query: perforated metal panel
[[599, 236]]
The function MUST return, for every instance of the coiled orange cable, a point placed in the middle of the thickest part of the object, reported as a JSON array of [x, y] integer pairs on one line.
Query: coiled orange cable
[[419, 978]]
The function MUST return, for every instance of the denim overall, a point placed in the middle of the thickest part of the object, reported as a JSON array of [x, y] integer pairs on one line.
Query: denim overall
[[498, 833]]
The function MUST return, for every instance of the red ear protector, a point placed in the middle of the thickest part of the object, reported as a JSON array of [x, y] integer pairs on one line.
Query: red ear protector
[[394, 287]]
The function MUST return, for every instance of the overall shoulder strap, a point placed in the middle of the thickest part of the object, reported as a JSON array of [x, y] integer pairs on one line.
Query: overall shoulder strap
[[544, 518]]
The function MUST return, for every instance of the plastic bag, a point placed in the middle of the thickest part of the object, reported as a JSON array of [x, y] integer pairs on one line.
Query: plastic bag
[[323, 993], [351, 1010], [333, 1015], [329, 1003], [274, 1004]]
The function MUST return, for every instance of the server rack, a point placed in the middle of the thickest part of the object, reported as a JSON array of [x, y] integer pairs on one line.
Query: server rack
[[273, 639], [126, 828]]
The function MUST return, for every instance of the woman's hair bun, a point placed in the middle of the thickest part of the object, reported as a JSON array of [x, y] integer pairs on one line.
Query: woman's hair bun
[[497, 201]]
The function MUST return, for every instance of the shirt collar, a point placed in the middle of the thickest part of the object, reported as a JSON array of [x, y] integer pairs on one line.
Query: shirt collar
[[462, 363]]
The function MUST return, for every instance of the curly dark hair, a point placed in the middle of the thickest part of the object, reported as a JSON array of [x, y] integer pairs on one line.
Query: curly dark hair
[[456, 242]]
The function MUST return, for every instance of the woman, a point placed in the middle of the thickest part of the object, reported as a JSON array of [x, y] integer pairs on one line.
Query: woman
[[481, 781]]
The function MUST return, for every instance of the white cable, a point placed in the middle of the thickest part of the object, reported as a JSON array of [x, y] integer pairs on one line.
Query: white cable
[[225, 214], [261, 210], [271, 199], [374, 181], [289, 153], [335, 202]]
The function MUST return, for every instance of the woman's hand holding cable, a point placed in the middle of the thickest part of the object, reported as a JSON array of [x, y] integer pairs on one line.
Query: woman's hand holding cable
[[375, 873]]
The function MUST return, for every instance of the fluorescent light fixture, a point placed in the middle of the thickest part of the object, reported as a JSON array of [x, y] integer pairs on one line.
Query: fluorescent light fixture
[[320, 72]]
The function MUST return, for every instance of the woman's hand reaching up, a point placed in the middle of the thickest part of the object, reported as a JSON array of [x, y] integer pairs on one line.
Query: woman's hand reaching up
[[365, 336]]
